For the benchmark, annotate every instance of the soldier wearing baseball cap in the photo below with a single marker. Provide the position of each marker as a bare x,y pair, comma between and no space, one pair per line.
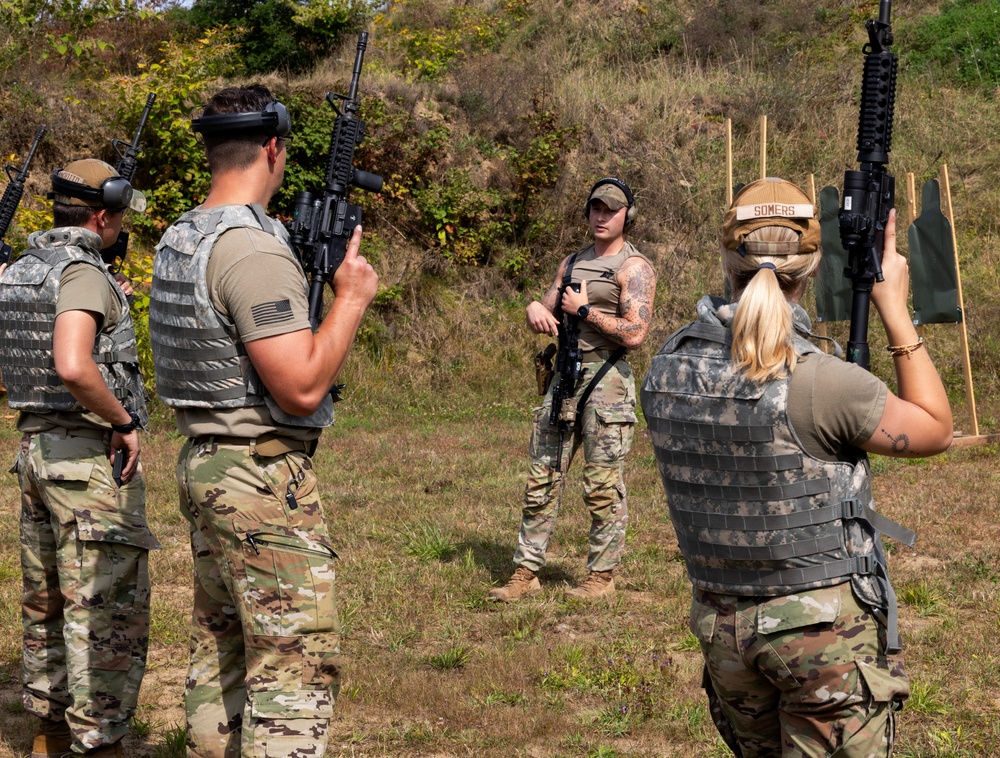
68,350
762,442
606,293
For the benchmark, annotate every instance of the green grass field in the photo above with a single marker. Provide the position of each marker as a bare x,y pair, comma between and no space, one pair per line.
424,507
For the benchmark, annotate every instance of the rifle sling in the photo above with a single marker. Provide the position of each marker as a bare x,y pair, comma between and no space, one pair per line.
612,359
605,367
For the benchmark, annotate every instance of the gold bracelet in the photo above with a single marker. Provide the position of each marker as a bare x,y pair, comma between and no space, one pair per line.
897,350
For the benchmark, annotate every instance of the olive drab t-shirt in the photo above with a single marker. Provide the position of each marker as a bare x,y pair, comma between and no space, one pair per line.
82,288
603,290
255,283
833,404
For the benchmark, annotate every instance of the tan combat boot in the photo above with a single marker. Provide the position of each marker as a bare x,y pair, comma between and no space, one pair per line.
599,584
523,583
53,739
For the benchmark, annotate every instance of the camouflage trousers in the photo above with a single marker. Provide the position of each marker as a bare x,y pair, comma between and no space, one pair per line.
265,660
84,563
799,675
604,429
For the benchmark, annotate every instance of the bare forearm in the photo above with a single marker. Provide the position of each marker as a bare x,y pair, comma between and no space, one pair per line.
917,379
87,385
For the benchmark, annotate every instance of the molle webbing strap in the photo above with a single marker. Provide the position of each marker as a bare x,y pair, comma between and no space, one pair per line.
767,522
700,431
752,493
193,334
779,552
672,457
231,393
125,355
809,575
893,644
42,381
890,528
711,332
30,360
49,308
169,285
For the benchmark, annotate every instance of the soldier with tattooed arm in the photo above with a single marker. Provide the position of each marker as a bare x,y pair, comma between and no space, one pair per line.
602,301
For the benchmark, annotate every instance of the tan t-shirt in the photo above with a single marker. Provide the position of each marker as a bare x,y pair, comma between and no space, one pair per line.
603,290
82,288
255,282
833,405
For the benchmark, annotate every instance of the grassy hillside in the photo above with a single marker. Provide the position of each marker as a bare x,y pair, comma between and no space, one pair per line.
489,121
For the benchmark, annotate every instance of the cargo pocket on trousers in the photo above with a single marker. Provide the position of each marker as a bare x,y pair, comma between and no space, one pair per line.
885,677
287,582
613,435
114,585
702,621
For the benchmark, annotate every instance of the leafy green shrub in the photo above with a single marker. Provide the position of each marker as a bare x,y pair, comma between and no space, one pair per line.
172,169
461,216
536,164
431,37
963,42
282,35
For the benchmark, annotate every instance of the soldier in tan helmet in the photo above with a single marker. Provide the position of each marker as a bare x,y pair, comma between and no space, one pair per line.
68,349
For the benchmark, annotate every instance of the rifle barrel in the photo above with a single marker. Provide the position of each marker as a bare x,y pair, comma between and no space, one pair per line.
359,58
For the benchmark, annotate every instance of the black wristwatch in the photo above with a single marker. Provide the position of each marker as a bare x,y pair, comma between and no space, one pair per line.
130,426
583,311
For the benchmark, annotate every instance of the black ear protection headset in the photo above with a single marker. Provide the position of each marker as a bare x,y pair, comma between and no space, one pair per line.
274,120
114,194
632,211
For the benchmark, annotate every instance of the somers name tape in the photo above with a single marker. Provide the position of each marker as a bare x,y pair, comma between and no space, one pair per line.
775,210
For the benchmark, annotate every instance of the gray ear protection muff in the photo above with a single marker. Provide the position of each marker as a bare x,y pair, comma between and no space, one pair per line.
630,214
274,120
114,194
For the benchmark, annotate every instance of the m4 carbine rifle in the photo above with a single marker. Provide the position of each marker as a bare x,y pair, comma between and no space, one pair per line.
12,195
322,226
569,372
128,152
869,193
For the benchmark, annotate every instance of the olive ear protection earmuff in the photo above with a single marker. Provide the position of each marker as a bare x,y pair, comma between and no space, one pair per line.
274,120
630,214
114,194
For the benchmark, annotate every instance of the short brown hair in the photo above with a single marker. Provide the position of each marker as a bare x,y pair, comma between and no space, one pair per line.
71,215
235,150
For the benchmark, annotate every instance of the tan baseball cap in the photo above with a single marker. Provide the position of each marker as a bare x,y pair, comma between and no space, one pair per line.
92,174
610,195
771,202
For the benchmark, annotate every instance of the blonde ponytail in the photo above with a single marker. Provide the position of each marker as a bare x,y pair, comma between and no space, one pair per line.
763,332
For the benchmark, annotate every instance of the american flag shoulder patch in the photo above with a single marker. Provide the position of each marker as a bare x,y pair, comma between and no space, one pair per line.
275,312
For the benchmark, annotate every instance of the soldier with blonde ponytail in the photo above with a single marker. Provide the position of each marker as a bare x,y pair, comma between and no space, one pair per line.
761,441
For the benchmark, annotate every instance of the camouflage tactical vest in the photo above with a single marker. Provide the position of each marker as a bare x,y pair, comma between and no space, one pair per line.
28,295
199,359
755,514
